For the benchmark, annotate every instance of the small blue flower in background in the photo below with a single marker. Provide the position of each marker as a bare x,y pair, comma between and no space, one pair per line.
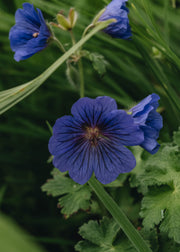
30,34
150,121
117,9
93,139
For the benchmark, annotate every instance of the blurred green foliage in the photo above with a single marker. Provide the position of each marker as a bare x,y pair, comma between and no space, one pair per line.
23,130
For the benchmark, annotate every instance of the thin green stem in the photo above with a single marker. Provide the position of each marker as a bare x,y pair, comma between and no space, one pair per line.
87,29
119,216
81,77
80,67
60,45
72,37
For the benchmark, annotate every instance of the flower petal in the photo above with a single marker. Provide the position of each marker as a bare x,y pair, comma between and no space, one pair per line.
142,106
120,127
22,39
150,144
155,120
78,160
117,10
111,161
27,16
89,111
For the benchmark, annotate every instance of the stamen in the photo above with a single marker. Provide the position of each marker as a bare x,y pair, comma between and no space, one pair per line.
93,135
35,35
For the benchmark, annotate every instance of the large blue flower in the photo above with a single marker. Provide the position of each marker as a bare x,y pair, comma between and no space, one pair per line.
150,121
30,34
93,139
120,29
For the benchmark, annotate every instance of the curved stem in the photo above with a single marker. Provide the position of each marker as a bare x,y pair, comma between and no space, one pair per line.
60,45
87,29
119,216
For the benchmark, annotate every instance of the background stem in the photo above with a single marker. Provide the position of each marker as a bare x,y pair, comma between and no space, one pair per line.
81,77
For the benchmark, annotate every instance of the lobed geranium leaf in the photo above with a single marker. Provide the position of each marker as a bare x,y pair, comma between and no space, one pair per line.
73,196
159,181
101,237
159,169
161,206
98,62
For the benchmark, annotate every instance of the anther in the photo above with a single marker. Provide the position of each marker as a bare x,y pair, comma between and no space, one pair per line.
35,35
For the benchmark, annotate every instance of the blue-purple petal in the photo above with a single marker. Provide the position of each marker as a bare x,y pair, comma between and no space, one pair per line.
89,111
30,34
111,161
118,11
120,127
92,141
151,145
149,120
155,120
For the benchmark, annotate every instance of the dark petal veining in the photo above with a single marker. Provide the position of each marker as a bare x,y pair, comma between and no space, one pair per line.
92,140
30,34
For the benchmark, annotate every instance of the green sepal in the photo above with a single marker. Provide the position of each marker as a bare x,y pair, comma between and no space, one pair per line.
96,18
72,17
63,22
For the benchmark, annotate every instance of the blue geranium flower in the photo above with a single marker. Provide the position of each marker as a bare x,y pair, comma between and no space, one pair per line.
120,29
93,139
150,121
30,34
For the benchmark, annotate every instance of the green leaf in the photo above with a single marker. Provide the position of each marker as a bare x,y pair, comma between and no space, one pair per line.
98,61
101,237
159,181
161,205
176,137
12,238
160,169
73,196
10,97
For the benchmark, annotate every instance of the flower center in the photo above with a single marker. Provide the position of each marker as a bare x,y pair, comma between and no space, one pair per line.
93,135
36,34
